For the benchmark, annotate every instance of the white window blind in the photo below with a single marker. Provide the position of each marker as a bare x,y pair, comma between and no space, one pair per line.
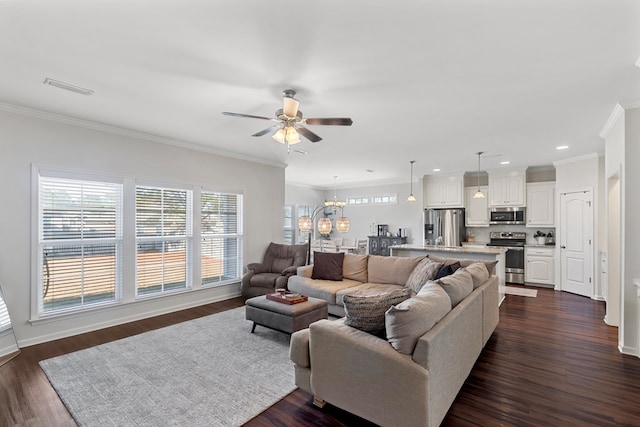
221,237
80,243
163,238
5,322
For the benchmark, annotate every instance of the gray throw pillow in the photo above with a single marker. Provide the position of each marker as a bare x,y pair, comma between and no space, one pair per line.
423,272
458,286
406,322
367,313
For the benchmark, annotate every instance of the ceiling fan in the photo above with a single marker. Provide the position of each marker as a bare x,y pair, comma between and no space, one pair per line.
290,122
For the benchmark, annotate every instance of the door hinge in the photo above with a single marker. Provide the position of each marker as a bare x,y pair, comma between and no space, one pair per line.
589,242
589,279
589,203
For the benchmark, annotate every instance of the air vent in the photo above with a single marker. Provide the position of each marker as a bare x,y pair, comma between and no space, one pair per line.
67,86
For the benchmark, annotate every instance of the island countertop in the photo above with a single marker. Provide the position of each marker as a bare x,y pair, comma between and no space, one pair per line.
462,249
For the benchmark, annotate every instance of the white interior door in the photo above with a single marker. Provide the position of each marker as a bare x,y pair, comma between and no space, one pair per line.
576,242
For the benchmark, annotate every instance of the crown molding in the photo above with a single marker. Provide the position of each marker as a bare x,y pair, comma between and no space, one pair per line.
575,159
101,127
618,110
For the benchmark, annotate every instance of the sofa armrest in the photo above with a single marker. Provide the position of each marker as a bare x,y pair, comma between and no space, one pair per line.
289,271
256,268
299,348
305,270
358,372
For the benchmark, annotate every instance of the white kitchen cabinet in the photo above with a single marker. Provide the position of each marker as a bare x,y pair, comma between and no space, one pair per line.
507,188
540,265
476,210
541,204
443,192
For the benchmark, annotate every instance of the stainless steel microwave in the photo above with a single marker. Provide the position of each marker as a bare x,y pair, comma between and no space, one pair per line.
506,215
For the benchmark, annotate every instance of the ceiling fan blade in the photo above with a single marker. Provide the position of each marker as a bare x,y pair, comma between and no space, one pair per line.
251,116
267,130
308,134
334,121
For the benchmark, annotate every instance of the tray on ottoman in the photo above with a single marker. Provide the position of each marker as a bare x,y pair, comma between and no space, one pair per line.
287,298
287,318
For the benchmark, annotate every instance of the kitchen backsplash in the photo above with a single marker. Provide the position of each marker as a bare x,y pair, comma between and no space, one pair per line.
481,234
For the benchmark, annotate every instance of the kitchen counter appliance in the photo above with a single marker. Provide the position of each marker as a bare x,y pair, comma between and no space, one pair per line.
514,258
507,216
444,227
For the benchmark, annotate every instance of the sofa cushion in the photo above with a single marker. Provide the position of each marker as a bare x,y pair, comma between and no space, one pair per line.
458,286
479,273
447,270
423,272
412,318
491,265
367,313
390,269
365,290
327,265
355,267
323,289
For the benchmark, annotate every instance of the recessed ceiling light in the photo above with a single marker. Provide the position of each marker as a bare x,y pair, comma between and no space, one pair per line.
369,170
562,147
506,162
436,170
67,86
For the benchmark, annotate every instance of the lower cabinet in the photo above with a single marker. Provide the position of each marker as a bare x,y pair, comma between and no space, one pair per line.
540,265
379,245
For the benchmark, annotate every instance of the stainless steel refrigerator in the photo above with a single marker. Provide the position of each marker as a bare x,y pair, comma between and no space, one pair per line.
444,227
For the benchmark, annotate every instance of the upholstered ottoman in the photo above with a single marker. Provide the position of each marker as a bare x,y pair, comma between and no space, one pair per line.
284,317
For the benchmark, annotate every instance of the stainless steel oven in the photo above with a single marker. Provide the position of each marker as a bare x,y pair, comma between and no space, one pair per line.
514,257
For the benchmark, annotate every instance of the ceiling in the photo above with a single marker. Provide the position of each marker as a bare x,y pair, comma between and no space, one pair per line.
431,81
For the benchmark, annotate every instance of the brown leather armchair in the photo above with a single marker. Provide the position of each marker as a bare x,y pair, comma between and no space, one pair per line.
280,262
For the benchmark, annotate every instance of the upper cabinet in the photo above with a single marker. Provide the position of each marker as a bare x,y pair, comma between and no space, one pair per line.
443,192
507,188
541,204
476,210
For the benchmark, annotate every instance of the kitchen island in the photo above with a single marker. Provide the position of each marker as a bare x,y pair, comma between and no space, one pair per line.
481,253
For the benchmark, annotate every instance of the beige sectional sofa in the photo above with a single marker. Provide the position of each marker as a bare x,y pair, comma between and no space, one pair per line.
412,376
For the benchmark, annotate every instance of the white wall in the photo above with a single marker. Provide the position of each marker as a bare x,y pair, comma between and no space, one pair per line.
631,231
27,140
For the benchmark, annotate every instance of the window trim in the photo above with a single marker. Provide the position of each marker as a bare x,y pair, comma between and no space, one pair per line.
128,296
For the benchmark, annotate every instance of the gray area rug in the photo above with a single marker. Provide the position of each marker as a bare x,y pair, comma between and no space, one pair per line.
210,371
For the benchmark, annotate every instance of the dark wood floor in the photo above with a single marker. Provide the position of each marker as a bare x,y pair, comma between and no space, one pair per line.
551,362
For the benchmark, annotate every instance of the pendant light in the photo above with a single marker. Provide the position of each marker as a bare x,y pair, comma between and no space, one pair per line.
479,194
411,197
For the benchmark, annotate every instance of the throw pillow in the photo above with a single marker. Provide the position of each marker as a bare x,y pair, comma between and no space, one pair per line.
447,270
355,267
391,270
406,322
327,265
423,272
458,286
367,313
479,273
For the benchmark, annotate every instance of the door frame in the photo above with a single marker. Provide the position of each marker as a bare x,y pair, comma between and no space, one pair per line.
594,236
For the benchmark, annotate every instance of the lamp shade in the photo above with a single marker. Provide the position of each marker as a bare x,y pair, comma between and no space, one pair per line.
305,223
342,224
324,226
478,194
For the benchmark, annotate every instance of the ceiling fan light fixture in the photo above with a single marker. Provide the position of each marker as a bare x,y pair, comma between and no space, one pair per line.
287,135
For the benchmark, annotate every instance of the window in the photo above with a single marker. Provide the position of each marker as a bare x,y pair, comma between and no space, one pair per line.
385,200
288,225
5,321
163,239
79,243
221,228
358,200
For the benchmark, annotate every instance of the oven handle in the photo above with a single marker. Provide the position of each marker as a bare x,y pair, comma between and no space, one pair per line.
514,248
